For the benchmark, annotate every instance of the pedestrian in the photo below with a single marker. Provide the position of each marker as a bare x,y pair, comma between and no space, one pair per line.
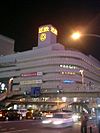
84,119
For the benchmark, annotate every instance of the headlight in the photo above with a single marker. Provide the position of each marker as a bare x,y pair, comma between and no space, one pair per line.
75,117
46,121
0,115
90,118
57,122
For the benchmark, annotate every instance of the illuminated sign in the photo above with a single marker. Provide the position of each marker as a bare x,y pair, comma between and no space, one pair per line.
44,29
47,28
35,91
68,81
27,82
43,37
39,73
53,30
2,87
31,74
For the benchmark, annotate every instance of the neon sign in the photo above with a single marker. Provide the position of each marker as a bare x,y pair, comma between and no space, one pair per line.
48,28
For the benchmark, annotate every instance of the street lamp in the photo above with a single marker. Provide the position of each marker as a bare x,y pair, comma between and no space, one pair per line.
77,35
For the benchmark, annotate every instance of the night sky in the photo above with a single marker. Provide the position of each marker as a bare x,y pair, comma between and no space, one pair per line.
20,19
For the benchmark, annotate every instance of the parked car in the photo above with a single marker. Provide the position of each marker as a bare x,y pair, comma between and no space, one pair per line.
13,115
3,114
22,112
59,120
37,115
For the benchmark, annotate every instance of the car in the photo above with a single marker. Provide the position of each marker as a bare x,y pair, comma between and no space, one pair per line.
22,112
48,114
37,115
76,117
13,115
3,114
29,115
59,120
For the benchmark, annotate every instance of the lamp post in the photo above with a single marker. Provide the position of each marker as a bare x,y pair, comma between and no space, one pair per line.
77,35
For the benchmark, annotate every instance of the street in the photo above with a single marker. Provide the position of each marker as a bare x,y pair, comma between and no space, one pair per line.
34,126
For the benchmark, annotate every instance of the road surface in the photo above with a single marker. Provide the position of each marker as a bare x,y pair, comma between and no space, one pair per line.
34,126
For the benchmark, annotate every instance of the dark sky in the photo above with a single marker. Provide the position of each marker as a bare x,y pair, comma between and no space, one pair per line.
20,19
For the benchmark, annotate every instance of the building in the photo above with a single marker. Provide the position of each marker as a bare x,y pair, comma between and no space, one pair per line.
50,70
6,45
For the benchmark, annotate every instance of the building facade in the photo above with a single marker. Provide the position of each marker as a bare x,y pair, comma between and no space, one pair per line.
6,45
50,70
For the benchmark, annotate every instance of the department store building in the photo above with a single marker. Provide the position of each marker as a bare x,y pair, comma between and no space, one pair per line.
50,70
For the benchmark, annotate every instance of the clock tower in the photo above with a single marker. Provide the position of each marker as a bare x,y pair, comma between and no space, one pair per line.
47,35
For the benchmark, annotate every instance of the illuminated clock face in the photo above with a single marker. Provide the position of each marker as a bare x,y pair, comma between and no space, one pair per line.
43,37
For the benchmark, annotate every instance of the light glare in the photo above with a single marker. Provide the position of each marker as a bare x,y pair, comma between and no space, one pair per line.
76,35
57,122
46,121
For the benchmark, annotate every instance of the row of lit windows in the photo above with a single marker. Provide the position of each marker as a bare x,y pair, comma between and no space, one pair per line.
69,73
68,66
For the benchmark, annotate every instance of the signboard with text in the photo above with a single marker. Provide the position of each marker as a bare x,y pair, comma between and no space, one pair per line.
31,74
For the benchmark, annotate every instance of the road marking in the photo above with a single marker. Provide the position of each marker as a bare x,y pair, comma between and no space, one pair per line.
16,131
